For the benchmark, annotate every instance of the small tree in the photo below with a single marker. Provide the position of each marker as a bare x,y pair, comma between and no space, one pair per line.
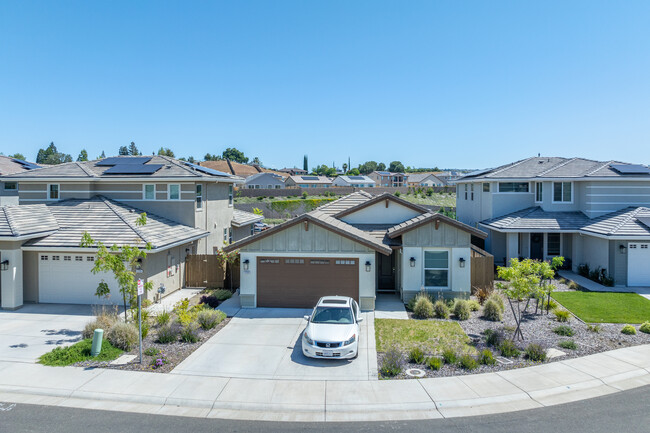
228,259
122,262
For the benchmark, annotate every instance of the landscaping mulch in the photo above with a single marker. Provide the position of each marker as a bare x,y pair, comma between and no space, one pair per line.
537,328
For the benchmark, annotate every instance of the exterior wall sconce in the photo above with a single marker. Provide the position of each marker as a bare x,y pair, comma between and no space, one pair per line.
412,261
368,266
246,263
4,265
161,289
622,248
461,262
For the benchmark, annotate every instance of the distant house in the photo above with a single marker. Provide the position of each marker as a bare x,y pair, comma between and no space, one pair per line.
238,169
308,182
264,181
243,224
387,178
357,181
293,171
423,180
448,177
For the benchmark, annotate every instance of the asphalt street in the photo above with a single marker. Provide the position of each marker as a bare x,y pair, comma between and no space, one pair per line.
621,412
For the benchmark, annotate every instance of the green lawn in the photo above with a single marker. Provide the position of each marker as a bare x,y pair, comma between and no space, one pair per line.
431,335
62,356
606,307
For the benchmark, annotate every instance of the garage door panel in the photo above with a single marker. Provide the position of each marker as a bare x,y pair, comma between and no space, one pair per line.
638,271
299,282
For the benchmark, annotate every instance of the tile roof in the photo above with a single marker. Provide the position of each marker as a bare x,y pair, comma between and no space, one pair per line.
111,223
241,218
26,220
356,179
379,198
345,202
625,222
534,218
12,165
310,179
428,217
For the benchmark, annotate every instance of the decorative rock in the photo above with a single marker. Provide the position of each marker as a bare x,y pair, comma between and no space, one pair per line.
415,372
554,353
503,360
124,359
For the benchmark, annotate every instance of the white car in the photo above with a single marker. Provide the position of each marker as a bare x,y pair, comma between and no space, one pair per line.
333,329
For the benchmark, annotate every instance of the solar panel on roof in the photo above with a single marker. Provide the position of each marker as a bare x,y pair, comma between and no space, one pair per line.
384,173
27,165
309,177
206,170
356,177
121,160
134,169
477,172
631,168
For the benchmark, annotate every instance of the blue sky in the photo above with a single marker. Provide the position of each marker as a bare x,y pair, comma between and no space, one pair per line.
452,84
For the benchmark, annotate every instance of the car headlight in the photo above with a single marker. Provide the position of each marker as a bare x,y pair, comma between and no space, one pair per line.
351,340
307,339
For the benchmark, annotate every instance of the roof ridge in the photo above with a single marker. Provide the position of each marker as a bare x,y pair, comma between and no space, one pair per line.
626,219
599,168
115,210
556,166
85,170
504,167
176,163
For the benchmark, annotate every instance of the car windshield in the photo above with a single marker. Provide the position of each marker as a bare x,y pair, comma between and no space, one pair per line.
335,315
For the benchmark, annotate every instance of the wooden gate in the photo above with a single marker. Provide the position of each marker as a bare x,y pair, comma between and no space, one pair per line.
482,268
203,270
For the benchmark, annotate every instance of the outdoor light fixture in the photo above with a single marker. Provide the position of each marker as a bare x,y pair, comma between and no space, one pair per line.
246,262
461,262
368,266
412,262
161,289
4,265
622,248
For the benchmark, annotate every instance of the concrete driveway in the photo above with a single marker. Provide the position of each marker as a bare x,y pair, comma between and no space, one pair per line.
265,343
35,329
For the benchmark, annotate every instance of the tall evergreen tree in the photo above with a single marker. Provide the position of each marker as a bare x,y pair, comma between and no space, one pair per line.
51,156
133,150
102,156
83,155
124,151
166,151
305,166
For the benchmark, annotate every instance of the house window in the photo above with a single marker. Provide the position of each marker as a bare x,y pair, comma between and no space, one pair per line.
225,235
319,262
562,192
538,191
513,186
174,192
256,186
465,191
270,186
472,189
44,258
53,191
277,186
67,258
149,191
230,235
346,262
11,186
199,196
269,261
90,259
553,244
486,187
436,268
294,261
230,195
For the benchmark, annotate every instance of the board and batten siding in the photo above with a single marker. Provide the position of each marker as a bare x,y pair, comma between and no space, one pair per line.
427,236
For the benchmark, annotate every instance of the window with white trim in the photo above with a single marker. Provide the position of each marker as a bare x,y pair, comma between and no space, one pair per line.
562,192
53,191
199,196
465,191
90,259
225,235
67,258
436,268
472,191
538,191
230,195
55,258
44,258
78,259
174,191
149,191
553,244
513,187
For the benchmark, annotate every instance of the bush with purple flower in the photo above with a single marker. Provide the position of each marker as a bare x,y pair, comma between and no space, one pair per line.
158,361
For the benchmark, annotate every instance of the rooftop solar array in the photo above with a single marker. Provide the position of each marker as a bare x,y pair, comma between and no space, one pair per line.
117,160
27,165
309,177
357,177
206,170
478,172
631,168
384,173
134,169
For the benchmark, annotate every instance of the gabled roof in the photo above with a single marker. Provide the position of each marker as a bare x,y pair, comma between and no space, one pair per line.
10,165
111,223
20,222
387,173
345,202
241,218
534,218
355,179
428,217
256,176
628,222
420,177
379,198
310,179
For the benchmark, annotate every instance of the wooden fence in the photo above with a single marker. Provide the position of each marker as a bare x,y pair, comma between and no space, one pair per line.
482,268
204,270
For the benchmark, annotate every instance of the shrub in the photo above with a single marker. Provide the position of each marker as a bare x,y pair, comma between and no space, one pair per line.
535,352
145,328
492,338
492,311
440,310
78,352
583,270
568,344
209,300
594,328
573,285
158,362
423,307
151,351
416,355
645,328
468,362
163,318
486,357
391,364
562,315
208,319
628,330
498,299
146,303
101,322
449,356
607,280
482,293
509,349
461,309
397,193
167,334
564,330
473,305
190,332
434,363
222,294
550,304
123,336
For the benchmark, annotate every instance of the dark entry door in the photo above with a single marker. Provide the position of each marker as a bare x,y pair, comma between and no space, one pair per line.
537,246
386,270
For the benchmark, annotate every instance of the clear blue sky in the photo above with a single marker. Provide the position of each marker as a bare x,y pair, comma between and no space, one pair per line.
446,83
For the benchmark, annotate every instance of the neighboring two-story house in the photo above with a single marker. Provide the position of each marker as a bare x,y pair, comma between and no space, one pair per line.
9,189
387,178
591,212
189,211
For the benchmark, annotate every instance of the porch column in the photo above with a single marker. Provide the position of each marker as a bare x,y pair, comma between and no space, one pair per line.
11,280
512,247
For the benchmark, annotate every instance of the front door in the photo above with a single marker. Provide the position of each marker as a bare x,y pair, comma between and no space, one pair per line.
386,272
537,246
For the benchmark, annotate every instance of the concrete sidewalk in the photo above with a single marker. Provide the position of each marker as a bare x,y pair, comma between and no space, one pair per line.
287,400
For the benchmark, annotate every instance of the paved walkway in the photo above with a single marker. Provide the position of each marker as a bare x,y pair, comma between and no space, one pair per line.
287,400
389,306
167,303
595,287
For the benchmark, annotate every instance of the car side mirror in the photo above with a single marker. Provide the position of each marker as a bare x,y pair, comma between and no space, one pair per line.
306,318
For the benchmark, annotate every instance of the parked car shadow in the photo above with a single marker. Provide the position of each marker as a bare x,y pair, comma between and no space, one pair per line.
299,358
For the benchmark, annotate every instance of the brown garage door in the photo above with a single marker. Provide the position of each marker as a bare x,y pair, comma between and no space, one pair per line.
299,282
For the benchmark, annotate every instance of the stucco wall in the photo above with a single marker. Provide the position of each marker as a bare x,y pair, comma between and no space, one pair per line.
30,276
155,266
11,280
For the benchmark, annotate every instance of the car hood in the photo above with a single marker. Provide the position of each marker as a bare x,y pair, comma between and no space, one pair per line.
330,333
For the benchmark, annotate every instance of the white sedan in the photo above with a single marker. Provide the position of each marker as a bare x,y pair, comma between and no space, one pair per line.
333,329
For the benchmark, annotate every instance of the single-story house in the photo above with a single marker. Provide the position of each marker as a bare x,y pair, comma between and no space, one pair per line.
423,180
264,181
356,181
308,182
356,246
